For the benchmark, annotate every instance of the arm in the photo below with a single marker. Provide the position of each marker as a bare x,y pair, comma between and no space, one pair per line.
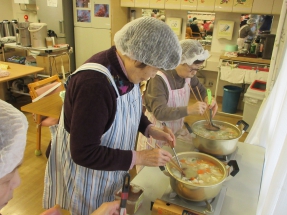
90,106
156,98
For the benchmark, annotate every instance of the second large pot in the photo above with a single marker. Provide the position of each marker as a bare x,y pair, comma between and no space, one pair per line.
217,146
199,192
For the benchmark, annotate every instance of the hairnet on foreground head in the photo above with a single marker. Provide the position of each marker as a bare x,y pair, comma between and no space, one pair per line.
192,50
251,21
13,132
149,41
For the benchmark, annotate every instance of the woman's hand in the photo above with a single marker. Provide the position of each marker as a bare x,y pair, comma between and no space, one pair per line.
197,108
108,208
164,134
152,157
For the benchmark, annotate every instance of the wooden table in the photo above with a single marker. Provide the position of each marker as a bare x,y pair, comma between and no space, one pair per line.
16,71
49,106
19,70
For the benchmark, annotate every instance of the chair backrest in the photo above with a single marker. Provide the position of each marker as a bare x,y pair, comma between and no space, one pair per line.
39,87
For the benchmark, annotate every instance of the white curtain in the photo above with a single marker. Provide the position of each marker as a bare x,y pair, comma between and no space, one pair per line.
270,131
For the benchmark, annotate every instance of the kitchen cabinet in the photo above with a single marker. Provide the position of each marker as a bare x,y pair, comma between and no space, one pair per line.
205,5
277,5
158,4
242,6
188,5
262,6
142,3
127,3
172,4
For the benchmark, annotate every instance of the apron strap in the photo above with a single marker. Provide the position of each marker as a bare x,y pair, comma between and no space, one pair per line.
98,68
161,74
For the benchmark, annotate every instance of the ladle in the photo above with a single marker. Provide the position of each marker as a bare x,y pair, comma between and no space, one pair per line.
210,126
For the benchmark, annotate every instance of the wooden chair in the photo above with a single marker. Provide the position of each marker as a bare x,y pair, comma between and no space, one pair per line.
37,91
196,36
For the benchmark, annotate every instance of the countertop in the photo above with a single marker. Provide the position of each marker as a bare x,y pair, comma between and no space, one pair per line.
212,63
242,190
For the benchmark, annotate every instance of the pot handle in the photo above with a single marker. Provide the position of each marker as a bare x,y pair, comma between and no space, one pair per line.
235,170
246,125
188,127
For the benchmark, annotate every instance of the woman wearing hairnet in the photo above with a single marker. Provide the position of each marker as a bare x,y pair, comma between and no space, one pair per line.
245,31
93,145
167,95
13,131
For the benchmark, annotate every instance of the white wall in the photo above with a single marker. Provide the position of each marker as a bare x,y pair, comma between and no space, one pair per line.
10,10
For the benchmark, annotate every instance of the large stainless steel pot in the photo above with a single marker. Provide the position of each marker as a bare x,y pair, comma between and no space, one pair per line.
197,193
213,146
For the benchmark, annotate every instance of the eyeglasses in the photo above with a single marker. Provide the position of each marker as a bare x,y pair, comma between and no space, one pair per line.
193,67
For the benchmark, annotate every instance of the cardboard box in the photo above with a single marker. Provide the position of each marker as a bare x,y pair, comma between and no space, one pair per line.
54,63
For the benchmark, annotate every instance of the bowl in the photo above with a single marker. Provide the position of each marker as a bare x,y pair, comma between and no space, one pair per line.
231,48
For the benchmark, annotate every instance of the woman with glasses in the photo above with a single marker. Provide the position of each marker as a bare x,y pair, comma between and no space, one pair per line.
167,95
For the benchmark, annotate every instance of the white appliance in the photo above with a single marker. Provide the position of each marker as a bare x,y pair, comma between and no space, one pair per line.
58,15
92,25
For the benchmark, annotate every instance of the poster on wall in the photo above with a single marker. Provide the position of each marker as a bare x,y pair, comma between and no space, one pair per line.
83,3
225,29
83,16
175,25
102,10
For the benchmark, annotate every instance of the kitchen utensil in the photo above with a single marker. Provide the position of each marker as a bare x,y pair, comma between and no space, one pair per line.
217,146
164,125
205,115
197,192
210,126
125,193
172,161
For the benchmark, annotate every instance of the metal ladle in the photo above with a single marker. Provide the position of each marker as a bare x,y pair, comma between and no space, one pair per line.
210,126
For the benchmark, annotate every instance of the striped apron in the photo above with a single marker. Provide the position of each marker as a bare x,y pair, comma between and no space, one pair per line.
177,98
82,190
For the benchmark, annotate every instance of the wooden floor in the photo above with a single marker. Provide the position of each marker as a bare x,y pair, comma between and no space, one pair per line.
28,197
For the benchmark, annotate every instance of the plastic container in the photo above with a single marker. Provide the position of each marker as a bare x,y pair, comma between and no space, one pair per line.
135,198
231,95
38,33
252,101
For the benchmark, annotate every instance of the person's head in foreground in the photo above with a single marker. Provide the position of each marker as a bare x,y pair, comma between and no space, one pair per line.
13,130
193,56
146,45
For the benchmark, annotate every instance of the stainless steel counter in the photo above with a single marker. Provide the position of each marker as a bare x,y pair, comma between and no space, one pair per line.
242,191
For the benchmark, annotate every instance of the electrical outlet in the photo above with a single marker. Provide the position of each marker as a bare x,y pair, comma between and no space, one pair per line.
209,83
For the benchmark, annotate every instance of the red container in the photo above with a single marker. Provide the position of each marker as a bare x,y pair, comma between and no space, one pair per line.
262,69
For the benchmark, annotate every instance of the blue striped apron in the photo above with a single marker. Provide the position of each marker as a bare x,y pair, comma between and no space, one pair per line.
76,188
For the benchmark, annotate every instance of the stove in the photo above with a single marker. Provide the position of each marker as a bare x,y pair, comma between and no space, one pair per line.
224,157
211,207
171,203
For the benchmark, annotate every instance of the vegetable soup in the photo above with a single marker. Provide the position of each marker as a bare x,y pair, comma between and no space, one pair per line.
225,133
198,171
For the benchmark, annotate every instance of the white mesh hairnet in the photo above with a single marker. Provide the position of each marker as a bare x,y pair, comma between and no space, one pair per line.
13,132
251,21
192,50
149,41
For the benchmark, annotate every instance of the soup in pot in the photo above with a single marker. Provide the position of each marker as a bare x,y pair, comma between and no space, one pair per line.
225,132
198,171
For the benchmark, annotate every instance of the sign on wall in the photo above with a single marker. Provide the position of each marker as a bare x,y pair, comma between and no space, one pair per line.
175,24
225,29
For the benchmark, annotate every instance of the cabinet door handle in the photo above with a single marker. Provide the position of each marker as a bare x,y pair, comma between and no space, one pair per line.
61,25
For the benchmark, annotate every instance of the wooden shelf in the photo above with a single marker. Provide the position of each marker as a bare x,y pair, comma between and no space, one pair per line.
246,59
